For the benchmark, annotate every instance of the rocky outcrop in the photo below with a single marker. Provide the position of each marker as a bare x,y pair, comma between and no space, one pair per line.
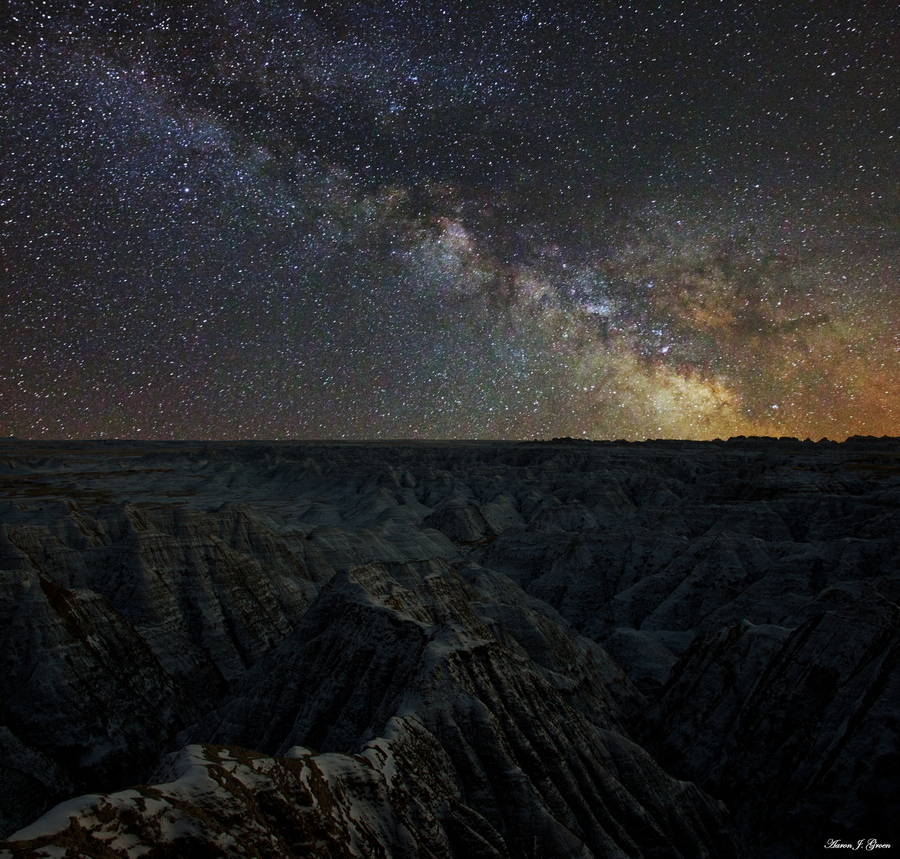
122,627
466,649
397,797
533,747
792,725
462,744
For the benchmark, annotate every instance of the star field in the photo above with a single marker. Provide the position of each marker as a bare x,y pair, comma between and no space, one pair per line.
449,220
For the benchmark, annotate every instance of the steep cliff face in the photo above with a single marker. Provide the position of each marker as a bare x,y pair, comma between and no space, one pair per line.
792,725
531,746
465,745
458,649
397,797
122,627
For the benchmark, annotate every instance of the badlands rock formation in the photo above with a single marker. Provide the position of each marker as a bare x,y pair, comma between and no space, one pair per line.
553,649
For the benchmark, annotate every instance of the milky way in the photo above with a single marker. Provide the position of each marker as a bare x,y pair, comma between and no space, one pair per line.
446,220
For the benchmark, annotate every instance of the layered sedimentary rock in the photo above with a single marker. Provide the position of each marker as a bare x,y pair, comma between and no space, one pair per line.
793,725
522,649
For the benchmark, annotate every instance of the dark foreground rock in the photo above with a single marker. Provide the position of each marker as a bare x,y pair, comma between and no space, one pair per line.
461,649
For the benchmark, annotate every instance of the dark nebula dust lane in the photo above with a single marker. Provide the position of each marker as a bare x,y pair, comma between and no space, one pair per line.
448,220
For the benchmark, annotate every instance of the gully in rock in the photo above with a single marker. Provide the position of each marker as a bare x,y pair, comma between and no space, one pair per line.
466,650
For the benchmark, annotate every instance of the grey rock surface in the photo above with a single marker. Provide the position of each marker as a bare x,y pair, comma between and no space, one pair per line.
792,725
460,649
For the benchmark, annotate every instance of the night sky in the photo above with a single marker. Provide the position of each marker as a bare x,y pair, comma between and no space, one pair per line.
431,219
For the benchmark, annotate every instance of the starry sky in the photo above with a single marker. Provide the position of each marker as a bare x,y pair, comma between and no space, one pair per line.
427,219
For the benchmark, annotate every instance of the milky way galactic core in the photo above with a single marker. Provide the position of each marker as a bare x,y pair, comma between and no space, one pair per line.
449,220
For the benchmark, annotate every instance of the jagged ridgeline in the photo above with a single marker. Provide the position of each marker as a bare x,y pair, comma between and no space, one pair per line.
546,649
